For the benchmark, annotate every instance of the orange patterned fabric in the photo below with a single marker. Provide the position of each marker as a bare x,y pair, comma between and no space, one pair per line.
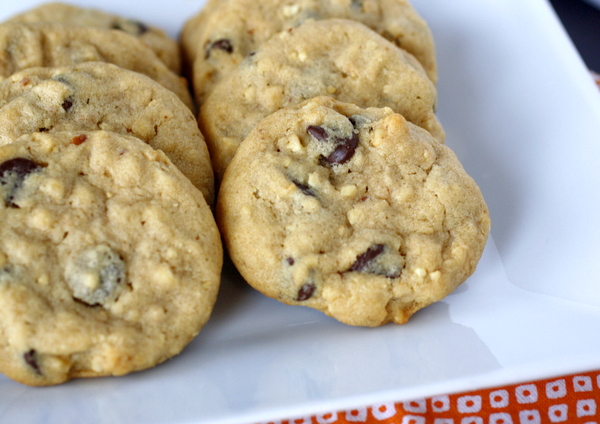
573,399
596,77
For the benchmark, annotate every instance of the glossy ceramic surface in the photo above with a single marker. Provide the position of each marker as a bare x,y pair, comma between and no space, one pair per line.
523,116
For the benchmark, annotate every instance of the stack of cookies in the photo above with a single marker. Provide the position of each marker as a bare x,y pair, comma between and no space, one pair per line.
317,118
337,191
110,256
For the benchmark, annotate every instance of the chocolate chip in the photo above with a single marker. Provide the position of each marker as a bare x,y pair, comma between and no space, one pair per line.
20,167
221,44
67,104
358,121
393,273
373,262
6,273
318,132
97,275
290,261
364,259
344,151
141,27
306,190
345,147
65,79
31,359
12,175
306,292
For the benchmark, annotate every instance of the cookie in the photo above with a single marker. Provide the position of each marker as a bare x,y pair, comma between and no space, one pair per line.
225,32
25,46
189,37
346,60
164,46
354,212
96,95
110,259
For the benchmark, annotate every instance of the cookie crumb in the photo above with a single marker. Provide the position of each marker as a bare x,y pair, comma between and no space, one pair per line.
43,280
164,276
41,219
349,190
290,10
294,144
53,188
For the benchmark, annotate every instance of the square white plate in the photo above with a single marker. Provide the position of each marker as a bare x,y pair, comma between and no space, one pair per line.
523,115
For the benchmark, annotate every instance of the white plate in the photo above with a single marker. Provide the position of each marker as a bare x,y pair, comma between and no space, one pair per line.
523,115
594,3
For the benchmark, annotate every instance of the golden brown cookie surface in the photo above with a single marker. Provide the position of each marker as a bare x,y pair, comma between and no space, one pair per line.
355,212
95,95
109,258
346,60
164,46
45,44
218,38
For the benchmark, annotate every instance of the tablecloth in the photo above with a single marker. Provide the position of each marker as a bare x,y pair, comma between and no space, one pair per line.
571,399
568,399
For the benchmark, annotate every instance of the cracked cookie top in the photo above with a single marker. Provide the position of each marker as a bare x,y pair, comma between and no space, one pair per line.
347,61
46,44
101,96
217,39
355,212
110,259
56,12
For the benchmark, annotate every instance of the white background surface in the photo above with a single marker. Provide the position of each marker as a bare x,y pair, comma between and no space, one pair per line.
594,2
523,116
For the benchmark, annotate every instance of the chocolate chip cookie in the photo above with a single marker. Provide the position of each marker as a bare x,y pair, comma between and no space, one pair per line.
340,58
217,39
25,46
355,212
164,46
95,95
110,259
